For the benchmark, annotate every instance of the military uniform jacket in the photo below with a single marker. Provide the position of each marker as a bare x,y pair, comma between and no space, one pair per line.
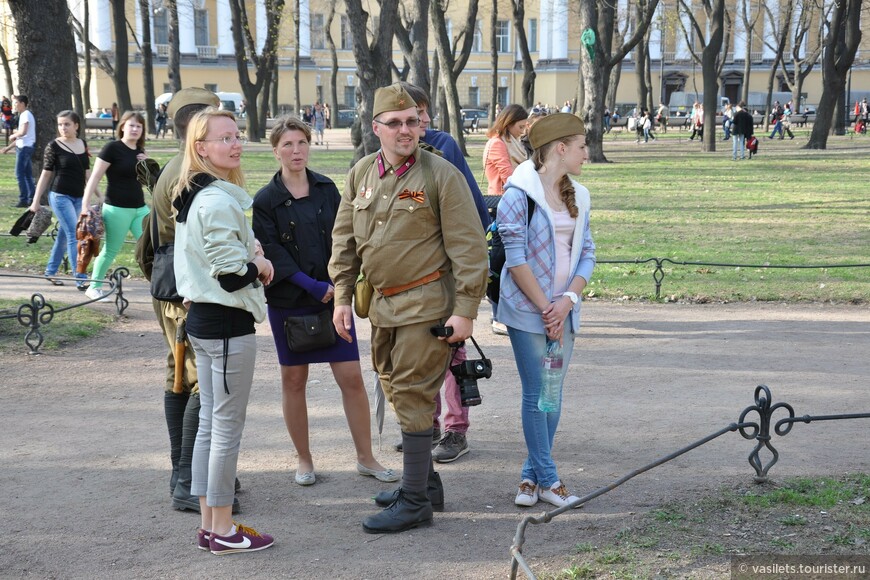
396,232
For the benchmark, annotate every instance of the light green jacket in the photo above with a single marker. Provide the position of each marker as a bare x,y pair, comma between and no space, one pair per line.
215,240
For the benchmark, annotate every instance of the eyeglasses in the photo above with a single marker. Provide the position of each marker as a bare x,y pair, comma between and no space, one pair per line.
395,124
229,140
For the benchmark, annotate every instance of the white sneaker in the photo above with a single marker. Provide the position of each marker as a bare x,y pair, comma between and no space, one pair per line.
527,496
96,294
557,495
499,328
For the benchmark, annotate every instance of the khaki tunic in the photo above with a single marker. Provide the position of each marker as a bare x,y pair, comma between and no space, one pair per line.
171,314
396,241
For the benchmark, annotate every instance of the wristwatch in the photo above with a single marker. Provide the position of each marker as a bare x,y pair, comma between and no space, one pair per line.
572,297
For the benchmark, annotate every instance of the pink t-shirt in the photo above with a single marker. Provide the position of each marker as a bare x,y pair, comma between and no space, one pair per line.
564,224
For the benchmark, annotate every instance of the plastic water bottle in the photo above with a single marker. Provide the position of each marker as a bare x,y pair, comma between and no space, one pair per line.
550,399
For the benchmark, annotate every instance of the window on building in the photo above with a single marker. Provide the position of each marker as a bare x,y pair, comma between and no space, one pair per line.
503,35
474,96
318,35
200,27
477,44
502,96
167,88
533,35
346,36
211,87
350,97
161,27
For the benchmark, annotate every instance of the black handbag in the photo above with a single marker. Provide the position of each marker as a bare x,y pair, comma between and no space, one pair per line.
309,331
163,285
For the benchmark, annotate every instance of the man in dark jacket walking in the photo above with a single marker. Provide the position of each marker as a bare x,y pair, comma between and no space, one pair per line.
742,126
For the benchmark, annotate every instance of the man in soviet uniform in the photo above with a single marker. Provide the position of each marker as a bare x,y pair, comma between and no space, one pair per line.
404,222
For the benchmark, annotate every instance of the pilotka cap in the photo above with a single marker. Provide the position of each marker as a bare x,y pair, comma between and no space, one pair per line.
392,98
192,96
556,126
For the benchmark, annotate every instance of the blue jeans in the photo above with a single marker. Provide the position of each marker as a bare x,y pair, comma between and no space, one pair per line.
539,428
67,209
738,143
777,128
24,174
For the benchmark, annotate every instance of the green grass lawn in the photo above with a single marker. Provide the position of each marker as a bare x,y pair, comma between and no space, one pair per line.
665,199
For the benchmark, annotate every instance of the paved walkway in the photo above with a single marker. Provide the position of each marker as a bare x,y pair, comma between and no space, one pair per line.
84,461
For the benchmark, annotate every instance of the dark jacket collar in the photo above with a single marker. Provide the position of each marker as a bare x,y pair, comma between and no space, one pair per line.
278,193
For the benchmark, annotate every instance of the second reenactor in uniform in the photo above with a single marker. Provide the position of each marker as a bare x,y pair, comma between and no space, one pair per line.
404,222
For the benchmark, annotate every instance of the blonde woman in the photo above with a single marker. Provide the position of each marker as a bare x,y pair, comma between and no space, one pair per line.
550,257
220,271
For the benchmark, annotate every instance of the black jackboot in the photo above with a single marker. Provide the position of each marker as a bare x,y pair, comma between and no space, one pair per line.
434,489
412,507
181,497
173,407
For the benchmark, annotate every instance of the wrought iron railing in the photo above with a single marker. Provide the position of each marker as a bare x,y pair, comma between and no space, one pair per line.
659,273
38,312
758,430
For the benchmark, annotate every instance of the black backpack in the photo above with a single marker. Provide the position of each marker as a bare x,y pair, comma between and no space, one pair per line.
495,248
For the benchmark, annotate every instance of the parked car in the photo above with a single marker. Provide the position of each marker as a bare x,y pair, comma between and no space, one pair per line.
345,118
474,119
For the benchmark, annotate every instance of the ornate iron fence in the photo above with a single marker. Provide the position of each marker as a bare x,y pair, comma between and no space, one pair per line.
659,272
758,430
38,312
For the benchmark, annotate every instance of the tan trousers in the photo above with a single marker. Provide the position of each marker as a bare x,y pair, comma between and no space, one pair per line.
410,363
169,316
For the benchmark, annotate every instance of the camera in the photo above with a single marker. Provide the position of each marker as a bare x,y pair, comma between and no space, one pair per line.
467,373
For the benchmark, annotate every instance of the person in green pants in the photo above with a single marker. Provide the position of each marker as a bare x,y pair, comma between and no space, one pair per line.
124,205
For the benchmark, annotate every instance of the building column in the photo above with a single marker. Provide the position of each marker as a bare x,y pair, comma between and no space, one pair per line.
186,28
225,31
546,30
305,29
559,42
100,33
261,25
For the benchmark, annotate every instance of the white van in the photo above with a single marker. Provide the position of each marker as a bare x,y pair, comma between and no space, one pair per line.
231,101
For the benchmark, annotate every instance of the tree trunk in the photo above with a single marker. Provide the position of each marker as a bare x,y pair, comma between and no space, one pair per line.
612,85
297,23
769,99
76,87
415,26
841,44
493,59
451,117
452,64
528,87
333,58
86,43
173,68
40,73
370,61
147,64
710,64
122,57
596,70
263,64
7,70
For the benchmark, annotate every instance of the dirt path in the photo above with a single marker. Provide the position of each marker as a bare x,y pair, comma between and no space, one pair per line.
84,463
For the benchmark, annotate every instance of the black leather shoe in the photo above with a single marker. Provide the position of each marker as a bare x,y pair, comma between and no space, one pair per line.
410,510
434,490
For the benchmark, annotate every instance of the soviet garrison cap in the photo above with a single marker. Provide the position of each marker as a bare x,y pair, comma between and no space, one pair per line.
392,98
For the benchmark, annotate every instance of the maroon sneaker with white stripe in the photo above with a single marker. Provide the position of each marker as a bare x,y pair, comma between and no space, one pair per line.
244,540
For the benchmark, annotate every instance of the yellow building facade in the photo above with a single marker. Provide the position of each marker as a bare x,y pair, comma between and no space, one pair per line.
552,27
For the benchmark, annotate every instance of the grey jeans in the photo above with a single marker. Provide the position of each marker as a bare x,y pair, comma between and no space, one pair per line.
221,414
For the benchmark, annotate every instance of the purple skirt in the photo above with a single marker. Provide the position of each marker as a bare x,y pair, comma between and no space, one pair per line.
341,351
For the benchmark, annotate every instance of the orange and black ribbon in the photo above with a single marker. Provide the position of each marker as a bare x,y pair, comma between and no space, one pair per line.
418,196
